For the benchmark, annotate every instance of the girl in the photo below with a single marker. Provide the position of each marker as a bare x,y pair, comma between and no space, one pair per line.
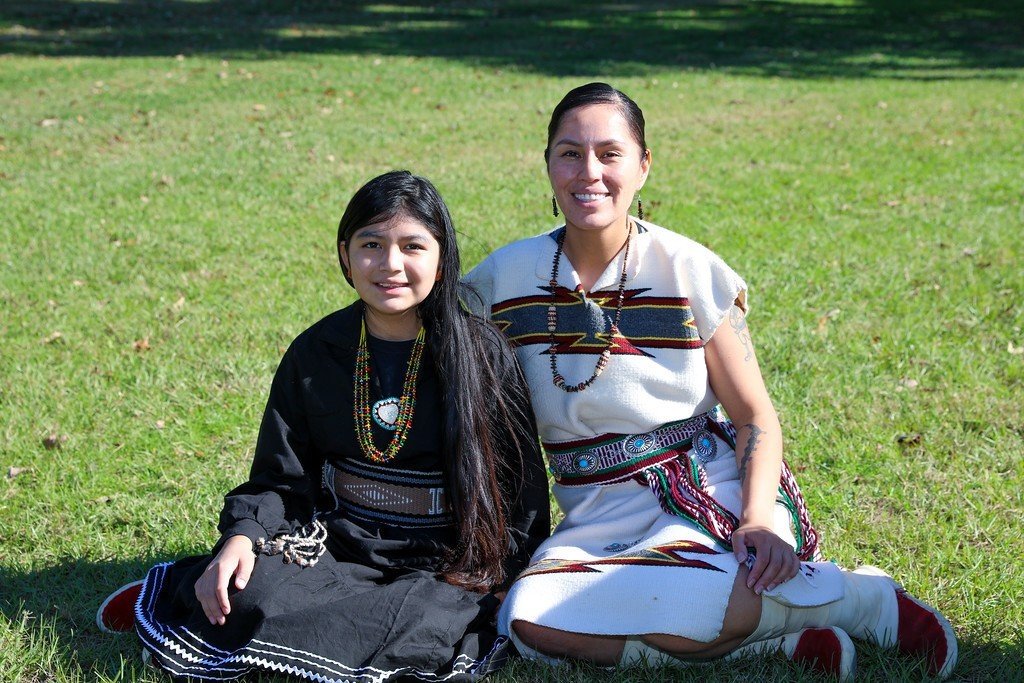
396,483
685,535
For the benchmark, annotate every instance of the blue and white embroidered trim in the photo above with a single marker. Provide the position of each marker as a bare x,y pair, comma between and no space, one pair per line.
181,652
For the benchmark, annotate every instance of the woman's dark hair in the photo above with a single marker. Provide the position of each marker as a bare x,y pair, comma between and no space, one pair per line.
477,418
598,93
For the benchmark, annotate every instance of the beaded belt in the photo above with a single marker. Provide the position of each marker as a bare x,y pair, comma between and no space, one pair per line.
388,495
611,458
679,484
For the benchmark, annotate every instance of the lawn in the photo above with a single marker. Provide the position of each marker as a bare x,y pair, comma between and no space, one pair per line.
171,177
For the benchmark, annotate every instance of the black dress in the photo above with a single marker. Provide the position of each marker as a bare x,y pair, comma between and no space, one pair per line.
372,608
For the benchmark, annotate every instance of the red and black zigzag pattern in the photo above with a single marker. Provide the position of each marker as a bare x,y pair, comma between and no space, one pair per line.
645,321
668,555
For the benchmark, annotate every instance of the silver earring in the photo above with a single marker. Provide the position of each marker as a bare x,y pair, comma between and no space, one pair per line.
554,207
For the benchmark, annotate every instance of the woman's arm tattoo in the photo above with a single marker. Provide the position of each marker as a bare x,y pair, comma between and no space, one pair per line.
739,325
748,452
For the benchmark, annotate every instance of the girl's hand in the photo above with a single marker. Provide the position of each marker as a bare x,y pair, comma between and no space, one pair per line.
775,563
234,559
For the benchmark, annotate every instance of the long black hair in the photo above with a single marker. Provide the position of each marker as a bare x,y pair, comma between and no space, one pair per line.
476,414
599,93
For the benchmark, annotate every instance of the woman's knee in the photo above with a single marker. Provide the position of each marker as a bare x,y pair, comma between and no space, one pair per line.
529,633
603,650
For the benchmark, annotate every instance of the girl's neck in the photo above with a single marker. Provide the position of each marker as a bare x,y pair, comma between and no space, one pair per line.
397,327
590,251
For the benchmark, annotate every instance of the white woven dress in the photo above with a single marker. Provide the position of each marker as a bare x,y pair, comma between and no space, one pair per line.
624,561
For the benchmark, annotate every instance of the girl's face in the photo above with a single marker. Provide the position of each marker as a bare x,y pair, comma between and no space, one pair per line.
393,266
596,167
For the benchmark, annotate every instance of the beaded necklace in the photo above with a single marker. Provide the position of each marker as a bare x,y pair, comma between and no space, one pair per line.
602,361
361,405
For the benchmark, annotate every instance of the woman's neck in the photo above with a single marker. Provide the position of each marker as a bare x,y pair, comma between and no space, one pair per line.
590,251
392,327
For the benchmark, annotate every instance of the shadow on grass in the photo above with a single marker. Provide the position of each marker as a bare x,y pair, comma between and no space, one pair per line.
977,662
991,661
61,600
914,39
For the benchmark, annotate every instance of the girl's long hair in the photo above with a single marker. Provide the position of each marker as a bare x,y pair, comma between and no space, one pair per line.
478,420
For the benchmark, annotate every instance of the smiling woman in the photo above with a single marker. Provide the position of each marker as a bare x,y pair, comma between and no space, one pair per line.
596,166
387,503
685,535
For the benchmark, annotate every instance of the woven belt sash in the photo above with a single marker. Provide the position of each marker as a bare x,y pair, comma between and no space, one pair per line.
670,461
611,458
388,495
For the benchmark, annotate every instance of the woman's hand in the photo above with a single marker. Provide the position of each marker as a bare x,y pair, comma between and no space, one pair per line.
235,558
775,562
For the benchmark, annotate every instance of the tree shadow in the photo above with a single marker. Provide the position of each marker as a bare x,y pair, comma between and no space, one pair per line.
912,39
59,603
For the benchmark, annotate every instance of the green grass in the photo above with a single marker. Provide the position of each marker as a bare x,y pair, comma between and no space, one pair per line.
168,222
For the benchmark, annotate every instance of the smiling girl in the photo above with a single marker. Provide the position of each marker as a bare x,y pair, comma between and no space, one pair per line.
396,484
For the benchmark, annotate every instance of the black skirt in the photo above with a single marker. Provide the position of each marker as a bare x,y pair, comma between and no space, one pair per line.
339,620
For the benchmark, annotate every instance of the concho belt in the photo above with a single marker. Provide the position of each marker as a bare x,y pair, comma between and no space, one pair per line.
611,458
679,483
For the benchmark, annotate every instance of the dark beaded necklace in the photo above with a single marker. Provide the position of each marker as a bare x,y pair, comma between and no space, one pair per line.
602,361
361,404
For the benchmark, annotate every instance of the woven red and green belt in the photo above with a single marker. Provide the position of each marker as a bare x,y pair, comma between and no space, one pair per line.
670,461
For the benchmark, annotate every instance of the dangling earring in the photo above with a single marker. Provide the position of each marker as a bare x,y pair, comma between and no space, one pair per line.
639,207
554,207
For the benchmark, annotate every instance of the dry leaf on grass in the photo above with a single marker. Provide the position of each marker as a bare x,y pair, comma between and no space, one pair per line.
53,441
907,383
823,320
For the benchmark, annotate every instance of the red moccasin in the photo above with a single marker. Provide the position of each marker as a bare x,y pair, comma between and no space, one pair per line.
117,613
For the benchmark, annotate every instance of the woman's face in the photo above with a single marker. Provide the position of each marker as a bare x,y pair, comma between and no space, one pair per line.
596,167
393,266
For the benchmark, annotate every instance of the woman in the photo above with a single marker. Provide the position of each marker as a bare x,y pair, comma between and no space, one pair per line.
387,502
684,536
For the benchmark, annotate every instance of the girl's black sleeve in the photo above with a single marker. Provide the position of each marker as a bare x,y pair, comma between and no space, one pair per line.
279,493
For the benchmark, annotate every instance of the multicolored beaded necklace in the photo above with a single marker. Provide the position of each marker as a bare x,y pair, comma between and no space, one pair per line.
602,361
362,407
